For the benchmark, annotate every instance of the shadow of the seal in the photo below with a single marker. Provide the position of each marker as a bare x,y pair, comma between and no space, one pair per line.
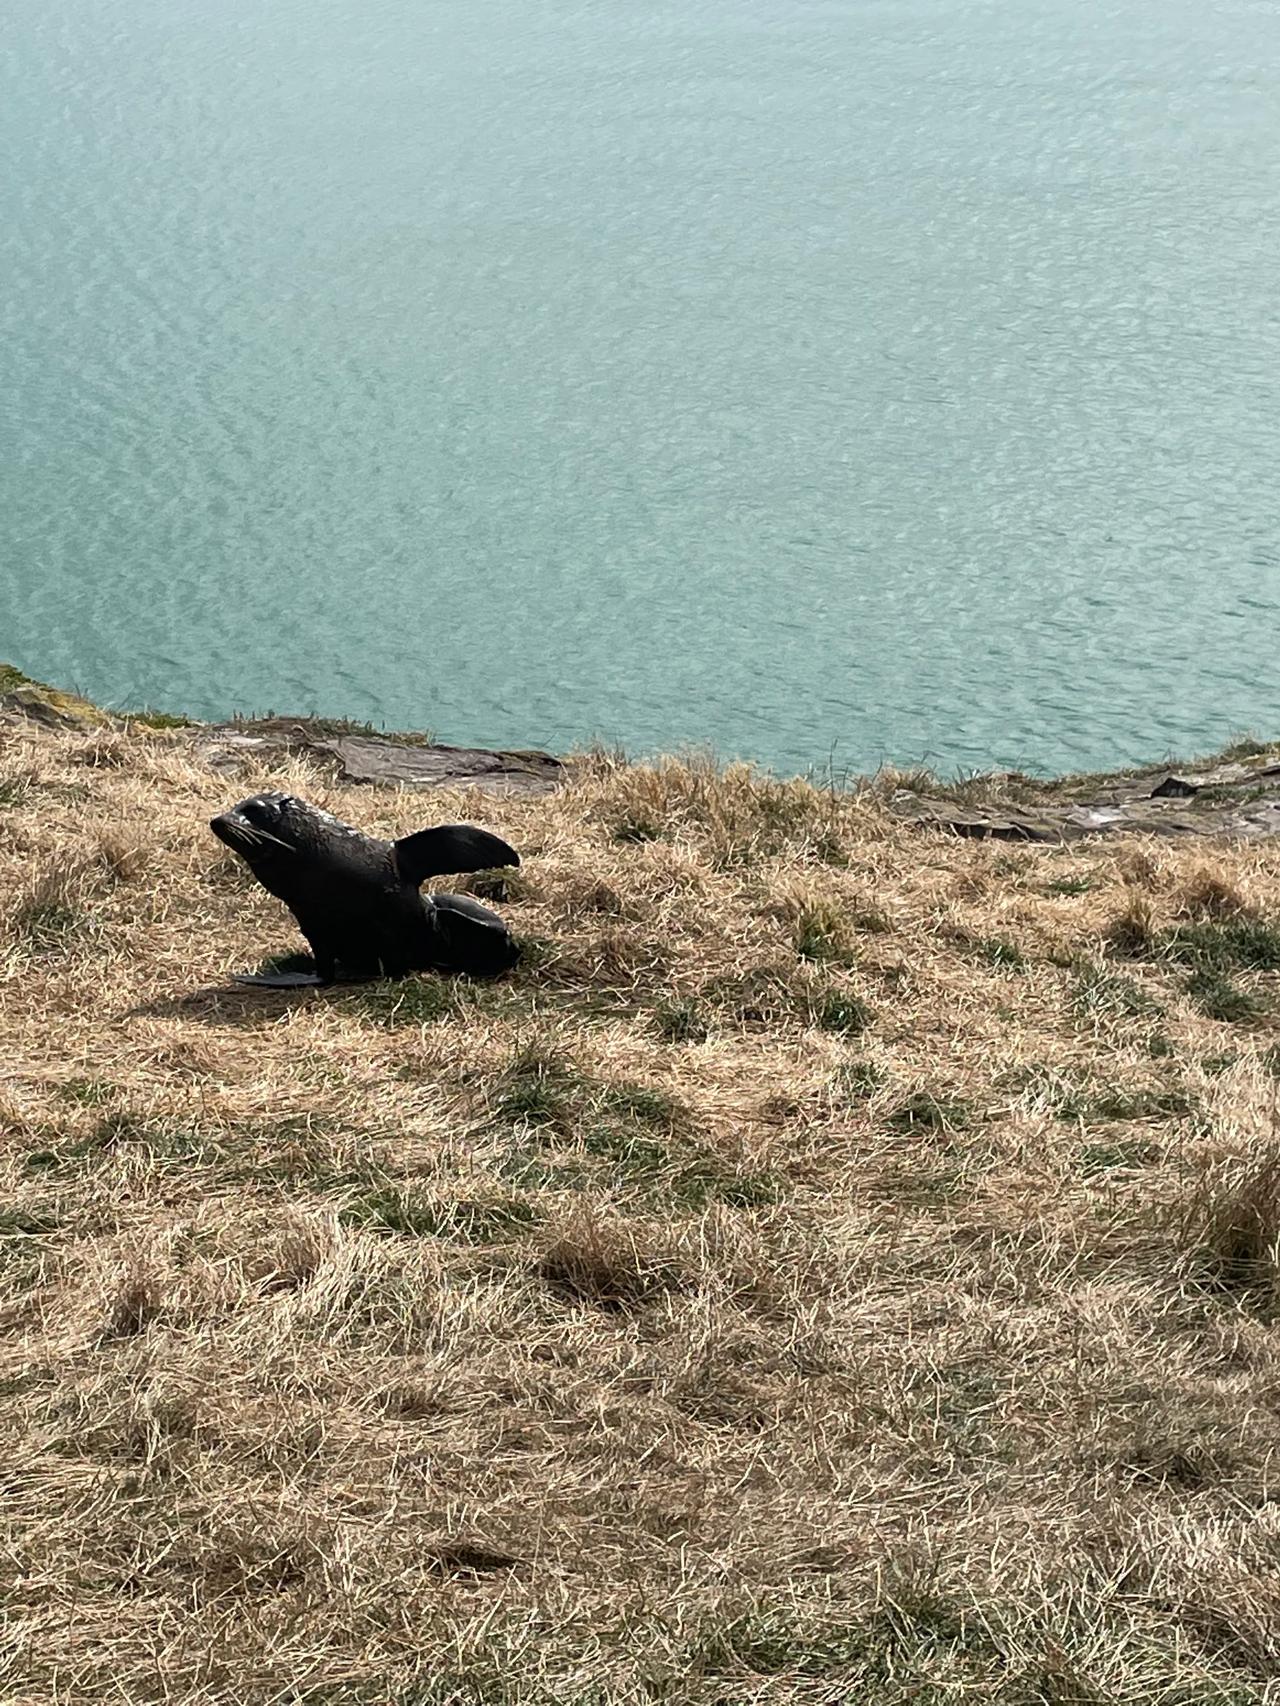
228,1004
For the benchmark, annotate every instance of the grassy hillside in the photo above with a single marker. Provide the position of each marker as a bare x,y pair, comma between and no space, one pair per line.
840,1267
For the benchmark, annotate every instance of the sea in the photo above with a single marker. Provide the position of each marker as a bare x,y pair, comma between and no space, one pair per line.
826,383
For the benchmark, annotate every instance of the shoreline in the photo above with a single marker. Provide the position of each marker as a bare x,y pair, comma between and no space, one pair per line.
1233,794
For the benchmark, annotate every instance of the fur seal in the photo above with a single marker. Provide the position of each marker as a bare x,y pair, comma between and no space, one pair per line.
356,898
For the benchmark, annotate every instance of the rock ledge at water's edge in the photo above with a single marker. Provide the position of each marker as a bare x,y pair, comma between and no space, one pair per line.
1234,795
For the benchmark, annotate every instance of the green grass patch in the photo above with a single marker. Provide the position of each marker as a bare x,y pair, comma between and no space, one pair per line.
675,1174
1070,885
1099,993
1113,1104
1217,997
153,719
843,1014
644,1105
636,1157
11,679
680,1022
1214,1065
465,1220
537,1089
87,1092
857,1081
634,829
47,925
821,935
1246,747
18,1222
1004,956
926,1112
410,1001
1111,1157
1224,944
123,1133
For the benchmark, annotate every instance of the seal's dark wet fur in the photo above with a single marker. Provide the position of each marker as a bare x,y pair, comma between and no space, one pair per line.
356,898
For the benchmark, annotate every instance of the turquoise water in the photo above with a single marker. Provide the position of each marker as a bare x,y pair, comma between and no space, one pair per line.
825,380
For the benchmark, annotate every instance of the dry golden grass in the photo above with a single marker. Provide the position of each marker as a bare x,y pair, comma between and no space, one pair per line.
842,1266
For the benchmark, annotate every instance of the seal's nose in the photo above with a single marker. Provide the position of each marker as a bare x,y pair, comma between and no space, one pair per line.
225,826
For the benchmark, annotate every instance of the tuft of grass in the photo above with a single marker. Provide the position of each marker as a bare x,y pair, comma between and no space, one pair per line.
602,1267
1075,885
20,1222
1217,997
838,1011
411,1000
1230,1227
153,719
926,1112
11,679
134,1303
680,1022
857,1080
1004,956
1097,993
1248,746
1133,933
635,830
49,918
536,1089
821,934
468,1220
1118,1157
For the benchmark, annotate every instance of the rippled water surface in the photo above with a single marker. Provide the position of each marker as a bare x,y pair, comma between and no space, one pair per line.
877,378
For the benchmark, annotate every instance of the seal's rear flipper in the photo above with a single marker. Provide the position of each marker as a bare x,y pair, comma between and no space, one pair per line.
450,847
470,938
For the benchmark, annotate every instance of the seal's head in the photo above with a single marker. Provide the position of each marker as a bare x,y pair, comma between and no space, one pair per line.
266,828
250,826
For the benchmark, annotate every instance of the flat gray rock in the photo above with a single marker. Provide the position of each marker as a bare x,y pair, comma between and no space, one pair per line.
379,760
1236,800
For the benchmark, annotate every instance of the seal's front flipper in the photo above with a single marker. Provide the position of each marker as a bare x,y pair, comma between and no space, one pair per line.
284,971
279,980
469,938
450,847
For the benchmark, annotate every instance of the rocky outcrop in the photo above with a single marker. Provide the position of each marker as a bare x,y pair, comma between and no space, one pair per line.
1239,799
1236,795
33,701
350,752
389,760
